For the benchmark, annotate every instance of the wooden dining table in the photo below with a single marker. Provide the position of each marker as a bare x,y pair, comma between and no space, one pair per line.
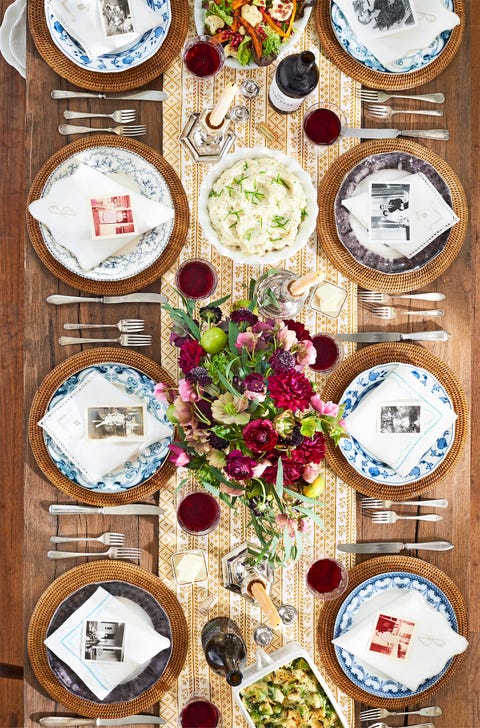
30,350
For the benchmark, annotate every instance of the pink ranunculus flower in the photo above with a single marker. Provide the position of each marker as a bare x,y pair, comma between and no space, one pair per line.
260,467
247,340
282,520
286,338
311,471
187,392
178,457
324,408
163,393
183,411
306,353
229,490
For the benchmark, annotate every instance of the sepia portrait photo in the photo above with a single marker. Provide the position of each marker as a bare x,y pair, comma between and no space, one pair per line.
112,216
400,419
116,16
389,212
391,636
103,641
377,18
123,424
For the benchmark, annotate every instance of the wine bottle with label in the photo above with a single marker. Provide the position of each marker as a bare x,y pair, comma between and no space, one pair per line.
295,78
224,648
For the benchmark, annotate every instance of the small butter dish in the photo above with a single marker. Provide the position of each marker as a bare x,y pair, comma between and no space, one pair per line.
189,566
328,299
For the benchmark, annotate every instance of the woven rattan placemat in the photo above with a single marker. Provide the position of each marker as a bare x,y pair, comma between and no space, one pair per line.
342,258
39,405
375,79
122,81
415,355
175,242
357,575
102,571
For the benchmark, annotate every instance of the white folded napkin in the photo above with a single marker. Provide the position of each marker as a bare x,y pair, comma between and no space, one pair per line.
141,642
428,212
85,22
430,643
400,420
13,36
432,19
66,423
67,214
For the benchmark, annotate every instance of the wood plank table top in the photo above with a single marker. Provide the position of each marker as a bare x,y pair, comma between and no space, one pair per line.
29,350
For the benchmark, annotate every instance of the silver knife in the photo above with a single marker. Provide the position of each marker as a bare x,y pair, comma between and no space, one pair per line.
57,721
393,547
373,337
128,298
135,509
135,95
391,133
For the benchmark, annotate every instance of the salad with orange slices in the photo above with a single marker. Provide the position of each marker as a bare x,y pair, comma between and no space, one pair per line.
253,30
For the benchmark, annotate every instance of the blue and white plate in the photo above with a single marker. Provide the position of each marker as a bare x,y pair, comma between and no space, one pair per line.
412,62
347,618
133,171
133,472
364,463
139,52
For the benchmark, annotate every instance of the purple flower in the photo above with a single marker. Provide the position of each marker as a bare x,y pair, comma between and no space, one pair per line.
282,361
254,387
190,355
199,375
239,466
260,435
243,314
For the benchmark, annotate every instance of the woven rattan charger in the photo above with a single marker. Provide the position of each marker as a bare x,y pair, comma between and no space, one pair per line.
102,571
117,82
158,267
371,356
339,255
39,405
360,573
376,79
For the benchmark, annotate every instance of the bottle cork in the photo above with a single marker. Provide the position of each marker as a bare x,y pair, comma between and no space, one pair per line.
258,592
301,285
219,111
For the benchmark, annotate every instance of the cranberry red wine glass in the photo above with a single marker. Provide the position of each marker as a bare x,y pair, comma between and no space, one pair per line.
327,578
329,353
200,713
203,57
198,513
196,278
324,124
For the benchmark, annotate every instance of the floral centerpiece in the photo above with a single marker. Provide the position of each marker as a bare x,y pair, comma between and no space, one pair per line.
251,425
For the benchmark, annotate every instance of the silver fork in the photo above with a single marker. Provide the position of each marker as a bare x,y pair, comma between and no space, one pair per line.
125,326
389,312
374,713
378,97
386,112
122,116
386,725
373,503
114,552
67,129
123,340
108,538
392,517
377,297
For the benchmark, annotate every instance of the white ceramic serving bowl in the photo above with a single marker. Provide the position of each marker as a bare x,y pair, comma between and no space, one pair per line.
267,663
305,230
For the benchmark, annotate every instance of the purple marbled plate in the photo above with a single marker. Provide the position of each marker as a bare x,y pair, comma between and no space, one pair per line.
137,685
388,160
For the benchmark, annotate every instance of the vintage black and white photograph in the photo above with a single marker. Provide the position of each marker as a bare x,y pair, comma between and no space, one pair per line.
391,636
117,17
400,419
389,212
377,18
103,641
124,424
112,216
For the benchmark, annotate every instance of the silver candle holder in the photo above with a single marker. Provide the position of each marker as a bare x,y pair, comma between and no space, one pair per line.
205,143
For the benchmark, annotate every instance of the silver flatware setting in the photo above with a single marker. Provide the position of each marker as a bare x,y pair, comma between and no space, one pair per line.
389,312
380,111
123,340
125,326
378,297
366,94
372,503
130,131
440,134
58,721
122,116
133,509
108,538
392,547
386,725
392,517
375,337
114,552
375,713
134,95
60,300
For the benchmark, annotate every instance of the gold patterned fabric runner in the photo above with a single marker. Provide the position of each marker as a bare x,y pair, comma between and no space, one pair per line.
185,96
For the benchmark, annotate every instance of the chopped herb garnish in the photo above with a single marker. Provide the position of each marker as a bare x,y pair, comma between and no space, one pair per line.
303,213
234,212
230,189
215,194
253,196
280,221
245,166
239,180
280,181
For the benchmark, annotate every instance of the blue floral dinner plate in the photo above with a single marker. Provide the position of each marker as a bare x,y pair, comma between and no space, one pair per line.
134,472
139,52
412,62
384,687
364,463
129,168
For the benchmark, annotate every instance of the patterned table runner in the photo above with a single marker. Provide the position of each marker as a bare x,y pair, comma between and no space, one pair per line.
187,95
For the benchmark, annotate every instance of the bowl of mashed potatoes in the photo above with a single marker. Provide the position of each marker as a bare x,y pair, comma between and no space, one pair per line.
257,206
